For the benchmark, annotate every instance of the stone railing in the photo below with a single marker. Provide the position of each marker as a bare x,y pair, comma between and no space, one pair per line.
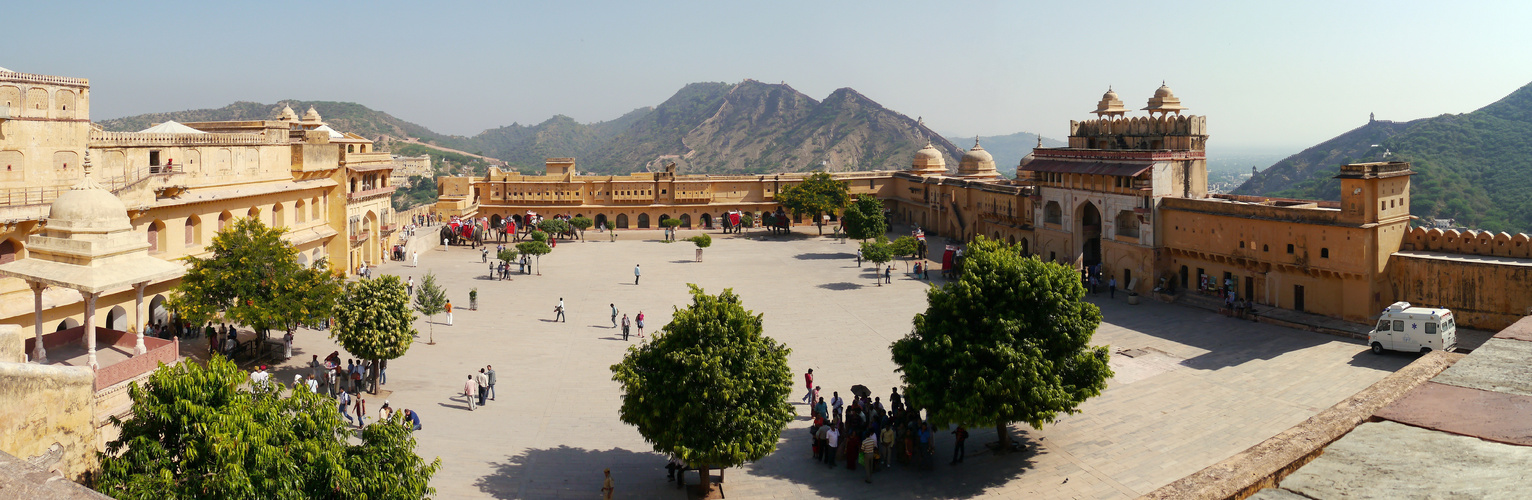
19,197
159,351
1469,242
361,195
12,76
101,139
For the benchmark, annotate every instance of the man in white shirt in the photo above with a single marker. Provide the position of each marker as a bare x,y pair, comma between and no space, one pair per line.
836,403
831,440
260,376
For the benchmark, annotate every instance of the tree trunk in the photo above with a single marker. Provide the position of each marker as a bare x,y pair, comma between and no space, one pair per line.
1003,430
539,265
431,320
704,480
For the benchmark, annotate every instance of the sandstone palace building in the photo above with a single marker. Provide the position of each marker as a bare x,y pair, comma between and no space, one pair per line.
1127,196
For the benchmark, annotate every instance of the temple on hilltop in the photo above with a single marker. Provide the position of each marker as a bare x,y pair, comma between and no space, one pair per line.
1126,200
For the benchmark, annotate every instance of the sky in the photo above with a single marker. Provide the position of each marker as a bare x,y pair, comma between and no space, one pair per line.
1270,76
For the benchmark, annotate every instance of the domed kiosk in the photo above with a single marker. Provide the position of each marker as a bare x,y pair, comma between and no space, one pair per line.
928,161
1110,105
89,245
977,163
1164,102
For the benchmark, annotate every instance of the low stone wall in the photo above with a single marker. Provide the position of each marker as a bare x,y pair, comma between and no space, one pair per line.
1484,292
1265,464
47,413
1468,242
159,351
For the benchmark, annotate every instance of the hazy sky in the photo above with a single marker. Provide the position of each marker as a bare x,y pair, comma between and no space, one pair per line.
1269,75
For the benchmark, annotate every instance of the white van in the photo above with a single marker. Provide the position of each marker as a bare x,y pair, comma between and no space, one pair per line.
1414,329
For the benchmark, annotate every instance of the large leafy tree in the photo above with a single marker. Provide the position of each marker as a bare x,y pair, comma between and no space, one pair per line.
880,252
817,195
1008,341
200,432
430,300
373,321
582,223
864,219
536,248
711,389
254,278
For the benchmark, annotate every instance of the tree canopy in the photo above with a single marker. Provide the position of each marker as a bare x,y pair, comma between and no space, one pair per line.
430,300
864,219
880,252
253,278
373,320
582,223
701,240
536,248
1008,341
202,432
817,195
710,389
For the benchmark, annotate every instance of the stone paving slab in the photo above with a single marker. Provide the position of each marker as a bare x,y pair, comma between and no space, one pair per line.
1494,416
1500,365
1520,330
1214,387
1388,460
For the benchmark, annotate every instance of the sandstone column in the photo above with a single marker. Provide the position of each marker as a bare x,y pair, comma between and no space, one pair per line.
39,353
138,317
90,328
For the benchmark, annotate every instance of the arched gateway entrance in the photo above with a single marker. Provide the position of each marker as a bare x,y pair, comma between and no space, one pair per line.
1088,233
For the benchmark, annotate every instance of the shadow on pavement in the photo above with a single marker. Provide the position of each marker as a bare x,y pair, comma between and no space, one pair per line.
824,256
576,472
840,286
981,470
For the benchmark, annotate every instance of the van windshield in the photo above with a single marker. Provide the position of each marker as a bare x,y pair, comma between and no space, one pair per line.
1383,326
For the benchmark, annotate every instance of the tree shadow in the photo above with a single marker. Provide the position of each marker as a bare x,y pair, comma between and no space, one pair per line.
576,472
981,470
840,286
824,256
692,261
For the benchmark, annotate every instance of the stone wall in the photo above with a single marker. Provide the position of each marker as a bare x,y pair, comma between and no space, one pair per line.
47,412
1488,293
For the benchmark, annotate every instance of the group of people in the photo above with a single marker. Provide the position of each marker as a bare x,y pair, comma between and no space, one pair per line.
502,270
480,387
627,324
868,434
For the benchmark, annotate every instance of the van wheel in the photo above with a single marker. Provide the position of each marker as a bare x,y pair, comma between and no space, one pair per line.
1377,348
1425,350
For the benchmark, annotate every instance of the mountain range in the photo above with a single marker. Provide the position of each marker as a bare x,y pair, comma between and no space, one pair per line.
1475,168
748,127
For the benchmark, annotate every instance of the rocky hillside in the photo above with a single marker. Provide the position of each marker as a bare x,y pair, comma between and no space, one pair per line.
1473,167
721,128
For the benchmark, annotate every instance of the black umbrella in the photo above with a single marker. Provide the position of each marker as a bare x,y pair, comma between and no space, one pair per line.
860,391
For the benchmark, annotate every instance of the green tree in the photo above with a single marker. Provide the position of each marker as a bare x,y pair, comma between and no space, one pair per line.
373,322
582,223
711,389
702,241
817,195
670,224
880,252
864,219
553,227
1008,341
199,431
253,278
536,249
430,300
904,246
507,254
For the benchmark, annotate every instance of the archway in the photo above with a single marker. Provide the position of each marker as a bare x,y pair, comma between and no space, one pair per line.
1088,233
622,221
1011,239
517,218
10,250
223,220
157,313
686,221
1025,252
156,237
643,221
303,260
662,218
600,220
67,324
193,230
117,319
707,221
370,250
494,220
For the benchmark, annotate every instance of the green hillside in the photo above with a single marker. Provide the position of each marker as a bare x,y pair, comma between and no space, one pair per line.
1473,167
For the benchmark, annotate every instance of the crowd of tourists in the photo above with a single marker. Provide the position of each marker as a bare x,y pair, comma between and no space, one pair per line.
865,432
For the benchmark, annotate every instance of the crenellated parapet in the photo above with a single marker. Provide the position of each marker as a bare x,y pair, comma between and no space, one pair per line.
1164,132
1469,242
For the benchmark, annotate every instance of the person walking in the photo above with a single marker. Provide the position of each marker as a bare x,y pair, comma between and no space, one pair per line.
640,324
1111,288
836,403
344,404
558,311
869,448
958,451
808,383
637,273
832,440
625,324
483,381
888,274
449,312
490,371
614,315
409,287
483,255
361,410
886,438
858,257
468,392
606,486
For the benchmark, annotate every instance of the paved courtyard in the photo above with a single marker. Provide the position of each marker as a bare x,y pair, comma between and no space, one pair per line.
1192,388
